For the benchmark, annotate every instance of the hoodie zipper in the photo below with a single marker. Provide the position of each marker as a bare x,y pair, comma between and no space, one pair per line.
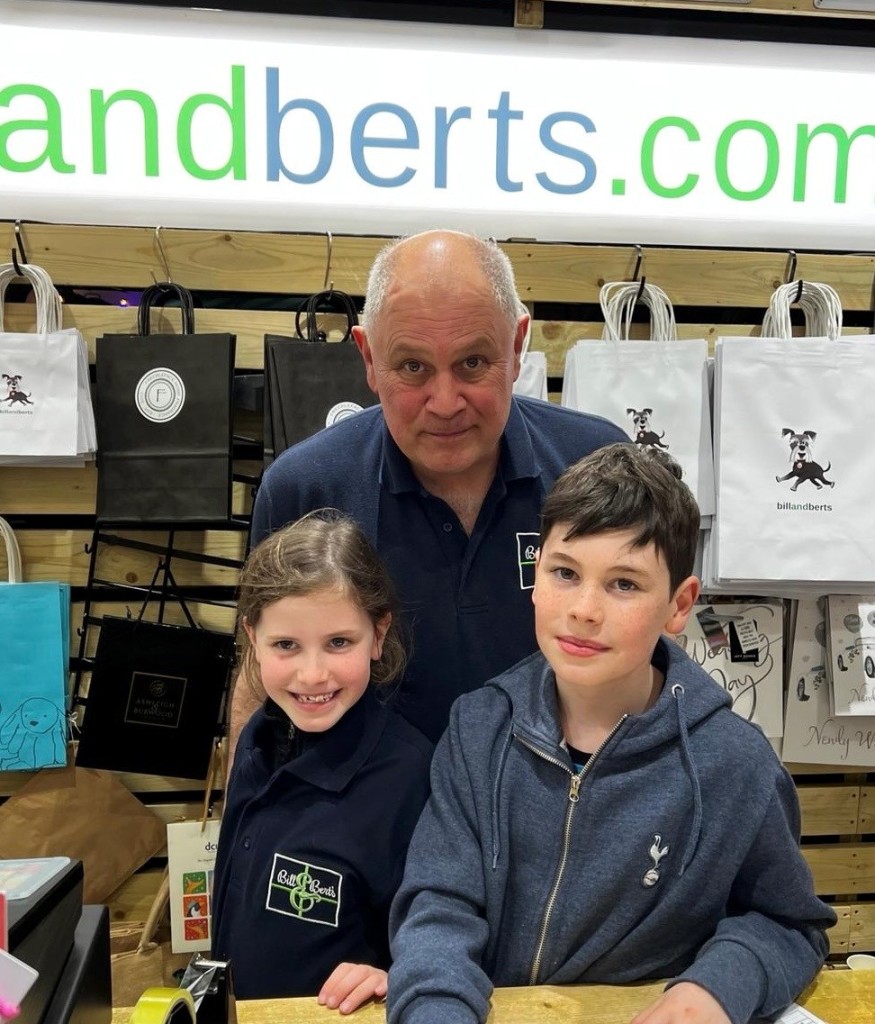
573,798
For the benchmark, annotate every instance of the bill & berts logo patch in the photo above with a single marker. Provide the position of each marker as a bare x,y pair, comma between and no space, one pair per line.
527,548
305,891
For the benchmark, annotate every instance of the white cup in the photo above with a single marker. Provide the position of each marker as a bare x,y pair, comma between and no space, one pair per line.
861,962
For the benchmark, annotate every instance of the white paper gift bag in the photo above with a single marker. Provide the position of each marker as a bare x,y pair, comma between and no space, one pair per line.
191,859
46,416
532,380
812,734
657,390
794,481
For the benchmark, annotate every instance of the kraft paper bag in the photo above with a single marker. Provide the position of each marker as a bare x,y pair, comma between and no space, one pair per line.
87,815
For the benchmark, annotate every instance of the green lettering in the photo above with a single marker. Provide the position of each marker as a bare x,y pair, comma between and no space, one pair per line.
721,160
843,149
236,111
99,108
51,125
648,171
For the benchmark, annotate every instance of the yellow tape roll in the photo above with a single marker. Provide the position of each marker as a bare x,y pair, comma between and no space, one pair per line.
163,1005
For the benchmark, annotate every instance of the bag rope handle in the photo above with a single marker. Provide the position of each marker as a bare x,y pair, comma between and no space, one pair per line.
13,552
48,301
820,305
332,301
163,291
618,300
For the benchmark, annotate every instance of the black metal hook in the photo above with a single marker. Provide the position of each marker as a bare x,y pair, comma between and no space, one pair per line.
327,284
164,262
641,289
639,256
799,292
791,266
18,248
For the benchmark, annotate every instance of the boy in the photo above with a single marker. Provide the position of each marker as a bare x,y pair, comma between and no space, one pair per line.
598,812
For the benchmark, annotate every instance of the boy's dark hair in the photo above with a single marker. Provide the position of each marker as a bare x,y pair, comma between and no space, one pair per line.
324,550
628,487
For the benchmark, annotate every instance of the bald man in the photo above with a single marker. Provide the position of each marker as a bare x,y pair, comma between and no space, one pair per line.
447,475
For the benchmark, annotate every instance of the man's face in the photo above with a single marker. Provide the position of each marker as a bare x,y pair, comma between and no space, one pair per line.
442,359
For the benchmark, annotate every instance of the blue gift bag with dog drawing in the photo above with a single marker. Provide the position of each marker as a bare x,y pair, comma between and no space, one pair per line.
35,634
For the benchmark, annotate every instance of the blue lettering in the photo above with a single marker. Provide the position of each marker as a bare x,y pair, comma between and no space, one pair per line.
442,125
358,141
560,149
502,115
275,165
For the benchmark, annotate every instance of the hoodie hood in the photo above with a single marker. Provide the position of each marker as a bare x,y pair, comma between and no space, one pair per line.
688,698
534,709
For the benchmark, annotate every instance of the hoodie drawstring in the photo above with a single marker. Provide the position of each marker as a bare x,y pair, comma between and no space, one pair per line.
677,691
496,789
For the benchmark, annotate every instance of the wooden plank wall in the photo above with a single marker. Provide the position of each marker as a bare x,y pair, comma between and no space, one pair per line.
530,12
715,291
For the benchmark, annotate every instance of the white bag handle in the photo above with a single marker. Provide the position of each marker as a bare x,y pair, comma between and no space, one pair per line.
618,300
523,309
48,301
820,305
13,552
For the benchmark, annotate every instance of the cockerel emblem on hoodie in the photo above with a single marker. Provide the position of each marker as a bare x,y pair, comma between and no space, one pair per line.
657,852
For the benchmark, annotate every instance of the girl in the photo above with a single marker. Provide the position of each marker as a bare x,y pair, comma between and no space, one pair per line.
327,782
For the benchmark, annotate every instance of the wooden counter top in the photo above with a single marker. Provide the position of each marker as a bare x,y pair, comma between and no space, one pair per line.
837,996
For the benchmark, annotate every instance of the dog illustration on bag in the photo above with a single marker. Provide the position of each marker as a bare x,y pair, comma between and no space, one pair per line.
13,390
802,464
644,433
33,736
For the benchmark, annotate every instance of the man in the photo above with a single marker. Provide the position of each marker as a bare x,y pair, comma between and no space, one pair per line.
446,476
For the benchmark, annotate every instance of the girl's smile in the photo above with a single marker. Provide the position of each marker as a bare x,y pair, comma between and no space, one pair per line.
314,653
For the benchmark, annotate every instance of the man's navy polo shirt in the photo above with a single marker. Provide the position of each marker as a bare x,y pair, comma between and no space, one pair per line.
465,601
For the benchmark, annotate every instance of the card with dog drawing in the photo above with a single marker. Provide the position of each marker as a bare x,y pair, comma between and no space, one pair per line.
740,645
852,647
812,733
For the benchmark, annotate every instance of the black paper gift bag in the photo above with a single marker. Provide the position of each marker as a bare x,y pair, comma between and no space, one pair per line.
155,699
310,383
164,422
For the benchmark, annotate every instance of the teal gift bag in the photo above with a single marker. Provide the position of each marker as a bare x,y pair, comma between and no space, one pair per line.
35,633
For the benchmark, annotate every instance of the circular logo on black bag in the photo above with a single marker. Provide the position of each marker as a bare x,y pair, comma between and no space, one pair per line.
160,394
340,412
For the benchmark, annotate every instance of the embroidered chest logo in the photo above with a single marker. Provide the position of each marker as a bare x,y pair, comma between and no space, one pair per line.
305,891
657,852
527,547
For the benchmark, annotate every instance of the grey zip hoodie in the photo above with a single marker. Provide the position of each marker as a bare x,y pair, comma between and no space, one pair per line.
672,854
